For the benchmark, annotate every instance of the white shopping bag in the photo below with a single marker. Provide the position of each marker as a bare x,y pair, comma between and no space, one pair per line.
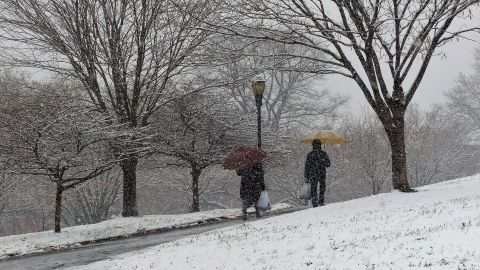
264,202
305,192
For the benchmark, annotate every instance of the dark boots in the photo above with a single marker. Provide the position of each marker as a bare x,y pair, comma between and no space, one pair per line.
257,212
244,210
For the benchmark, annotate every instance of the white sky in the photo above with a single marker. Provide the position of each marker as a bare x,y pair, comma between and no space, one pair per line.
440,76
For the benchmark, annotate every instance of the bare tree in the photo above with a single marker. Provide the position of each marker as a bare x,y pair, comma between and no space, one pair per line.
437,145
367,151
216,188
384,46
286,174
52,135
8,183
200,129
17,194
127,54
292,98
91,201
463,99
217,191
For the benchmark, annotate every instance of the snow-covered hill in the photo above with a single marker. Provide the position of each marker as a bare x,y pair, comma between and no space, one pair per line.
436,228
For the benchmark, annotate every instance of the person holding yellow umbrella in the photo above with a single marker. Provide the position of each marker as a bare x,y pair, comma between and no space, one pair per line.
318,161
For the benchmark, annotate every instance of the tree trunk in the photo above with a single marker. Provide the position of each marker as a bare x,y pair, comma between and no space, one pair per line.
129,169
58,207
196,172
396,137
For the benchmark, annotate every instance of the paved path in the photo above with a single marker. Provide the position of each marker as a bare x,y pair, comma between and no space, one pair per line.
106,250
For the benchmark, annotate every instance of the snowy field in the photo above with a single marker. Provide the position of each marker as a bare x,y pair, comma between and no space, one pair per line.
73,236
435,228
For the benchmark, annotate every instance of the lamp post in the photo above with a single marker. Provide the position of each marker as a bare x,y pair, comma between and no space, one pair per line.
258,88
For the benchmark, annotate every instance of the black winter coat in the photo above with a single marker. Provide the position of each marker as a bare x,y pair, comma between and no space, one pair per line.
252,183
316,164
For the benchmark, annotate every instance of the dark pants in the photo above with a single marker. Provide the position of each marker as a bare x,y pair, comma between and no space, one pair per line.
320,197
247,202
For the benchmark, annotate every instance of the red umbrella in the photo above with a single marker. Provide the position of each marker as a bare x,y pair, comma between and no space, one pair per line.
244,157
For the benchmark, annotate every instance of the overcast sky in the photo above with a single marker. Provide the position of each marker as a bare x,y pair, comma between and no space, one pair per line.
440,76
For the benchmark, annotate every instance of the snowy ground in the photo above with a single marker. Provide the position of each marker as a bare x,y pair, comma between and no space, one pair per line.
73,236
435,228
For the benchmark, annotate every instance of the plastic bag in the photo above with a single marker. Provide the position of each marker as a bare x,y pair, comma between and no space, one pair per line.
305,192
264,202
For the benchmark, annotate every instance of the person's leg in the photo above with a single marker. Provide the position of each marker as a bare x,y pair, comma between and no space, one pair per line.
257,211
321,194
245,206
313,191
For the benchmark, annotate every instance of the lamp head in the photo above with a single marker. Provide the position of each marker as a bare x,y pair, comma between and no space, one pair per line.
258,85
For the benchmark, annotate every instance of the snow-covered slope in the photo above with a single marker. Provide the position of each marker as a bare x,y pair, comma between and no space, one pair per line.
436,228
119,227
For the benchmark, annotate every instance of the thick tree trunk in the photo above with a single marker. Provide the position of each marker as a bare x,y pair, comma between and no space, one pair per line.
58,207
129,169
396,137
195,190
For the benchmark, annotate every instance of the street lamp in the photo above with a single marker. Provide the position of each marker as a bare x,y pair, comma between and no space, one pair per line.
258,87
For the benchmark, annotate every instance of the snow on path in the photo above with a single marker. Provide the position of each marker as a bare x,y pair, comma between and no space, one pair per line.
72,236
436,228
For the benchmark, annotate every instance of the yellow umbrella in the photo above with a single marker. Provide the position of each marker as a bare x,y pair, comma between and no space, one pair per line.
326,137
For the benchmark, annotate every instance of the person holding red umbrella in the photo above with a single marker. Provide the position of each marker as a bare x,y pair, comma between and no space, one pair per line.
251,186
247,161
